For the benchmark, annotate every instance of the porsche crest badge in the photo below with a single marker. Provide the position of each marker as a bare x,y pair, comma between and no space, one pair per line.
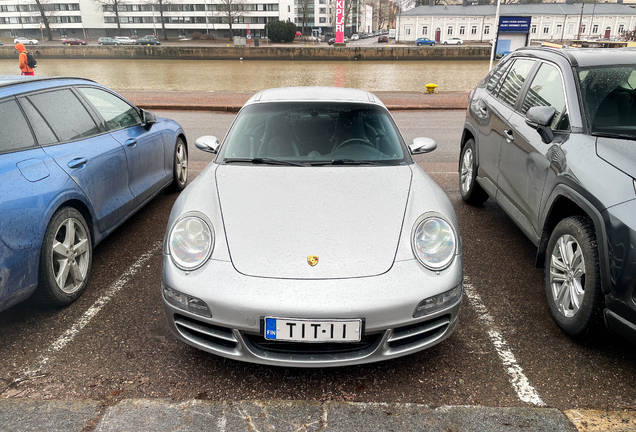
312,260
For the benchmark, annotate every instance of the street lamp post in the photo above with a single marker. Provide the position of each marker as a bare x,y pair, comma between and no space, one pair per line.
494,45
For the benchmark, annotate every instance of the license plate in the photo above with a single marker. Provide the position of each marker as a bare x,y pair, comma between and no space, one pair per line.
301,330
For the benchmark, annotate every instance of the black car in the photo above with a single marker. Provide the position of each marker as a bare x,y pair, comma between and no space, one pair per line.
550,136
148,40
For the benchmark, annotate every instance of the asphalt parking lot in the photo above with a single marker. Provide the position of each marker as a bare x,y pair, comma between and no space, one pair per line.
113,343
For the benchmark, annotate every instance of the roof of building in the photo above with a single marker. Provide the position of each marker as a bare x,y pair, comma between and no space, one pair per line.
522,9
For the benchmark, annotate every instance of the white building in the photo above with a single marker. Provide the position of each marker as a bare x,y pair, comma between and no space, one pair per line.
556,21
75,18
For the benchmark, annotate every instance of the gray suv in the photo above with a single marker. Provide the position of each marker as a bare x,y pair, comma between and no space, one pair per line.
550,135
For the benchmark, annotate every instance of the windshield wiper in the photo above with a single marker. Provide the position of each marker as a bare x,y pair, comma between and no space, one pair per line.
347,162
614,135
265,161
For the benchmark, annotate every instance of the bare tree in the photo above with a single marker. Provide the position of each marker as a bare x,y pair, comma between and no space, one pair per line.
381,11
232,10
161,6
305,7
111,6
45,18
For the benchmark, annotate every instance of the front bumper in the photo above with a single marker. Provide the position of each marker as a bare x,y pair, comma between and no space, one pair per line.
385,303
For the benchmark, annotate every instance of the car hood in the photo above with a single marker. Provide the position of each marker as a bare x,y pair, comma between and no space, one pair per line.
619,153
276,217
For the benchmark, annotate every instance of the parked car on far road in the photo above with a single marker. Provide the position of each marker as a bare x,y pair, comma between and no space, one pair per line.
453,41
355,255
355,37
424,41
25,41
125,40
73,41
149,40
383,39
108,41
75,163
549,136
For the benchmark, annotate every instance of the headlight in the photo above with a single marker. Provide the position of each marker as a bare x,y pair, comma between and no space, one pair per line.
438,302
190,242
434,243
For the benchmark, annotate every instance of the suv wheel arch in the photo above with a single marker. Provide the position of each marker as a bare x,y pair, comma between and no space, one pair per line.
564,202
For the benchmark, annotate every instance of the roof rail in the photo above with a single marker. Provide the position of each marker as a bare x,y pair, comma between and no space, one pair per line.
560,52
18,80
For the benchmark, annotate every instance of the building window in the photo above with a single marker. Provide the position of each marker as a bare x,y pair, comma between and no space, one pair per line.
595,28
487,30
322,20
424,30
462,30
570,28
533,29
546,29
621,28
288,8
322,10
559,27
473,30
583,28
407,30
449,31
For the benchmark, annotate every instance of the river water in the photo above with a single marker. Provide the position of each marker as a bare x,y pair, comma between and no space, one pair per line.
254,75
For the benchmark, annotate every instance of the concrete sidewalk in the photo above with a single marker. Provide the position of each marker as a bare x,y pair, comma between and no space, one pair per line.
233,101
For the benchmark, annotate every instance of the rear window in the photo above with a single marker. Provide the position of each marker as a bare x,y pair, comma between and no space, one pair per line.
609,99
18,136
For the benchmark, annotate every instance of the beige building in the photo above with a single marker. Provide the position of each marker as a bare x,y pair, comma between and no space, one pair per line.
555,21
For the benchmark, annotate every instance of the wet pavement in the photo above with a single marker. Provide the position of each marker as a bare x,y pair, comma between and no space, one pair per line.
126,352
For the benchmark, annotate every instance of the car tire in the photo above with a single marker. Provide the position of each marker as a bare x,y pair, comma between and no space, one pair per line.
179,166
99,43
419,44
445,43
471,192
433,44
581,279
65,258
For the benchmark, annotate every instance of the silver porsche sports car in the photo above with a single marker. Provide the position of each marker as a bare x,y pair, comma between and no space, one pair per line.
313,239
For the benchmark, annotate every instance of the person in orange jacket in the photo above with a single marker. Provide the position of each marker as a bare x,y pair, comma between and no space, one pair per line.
24,65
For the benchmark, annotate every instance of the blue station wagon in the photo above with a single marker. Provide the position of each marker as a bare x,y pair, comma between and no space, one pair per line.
76,160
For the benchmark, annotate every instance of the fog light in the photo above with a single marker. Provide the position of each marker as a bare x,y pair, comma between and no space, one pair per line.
186,302
438,302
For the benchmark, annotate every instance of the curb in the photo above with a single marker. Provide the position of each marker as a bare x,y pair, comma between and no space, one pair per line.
197,415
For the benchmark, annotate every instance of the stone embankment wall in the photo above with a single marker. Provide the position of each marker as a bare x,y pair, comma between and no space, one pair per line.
254,53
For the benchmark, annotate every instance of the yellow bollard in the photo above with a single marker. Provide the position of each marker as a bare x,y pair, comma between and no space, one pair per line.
228,46
430,87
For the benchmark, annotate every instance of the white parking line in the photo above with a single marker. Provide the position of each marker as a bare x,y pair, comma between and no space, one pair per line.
39,365
518,379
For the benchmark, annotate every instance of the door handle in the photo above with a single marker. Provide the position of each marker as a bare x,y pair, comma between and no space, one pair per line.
131,142
77,162
509,136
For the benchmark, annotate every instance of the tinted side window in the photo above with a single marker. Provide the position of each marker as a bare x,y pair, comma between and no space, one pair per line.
65,114
514,81
546,89
117,113
42,130
18,135
496,76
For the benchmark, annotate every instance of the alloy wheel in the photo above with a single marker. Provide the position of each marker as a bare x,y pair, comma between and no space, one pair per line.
70,255
181,163
467,170
567,275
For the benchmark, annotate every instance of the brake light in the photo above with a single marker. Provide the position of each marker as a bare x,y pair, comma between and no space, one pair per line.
470,94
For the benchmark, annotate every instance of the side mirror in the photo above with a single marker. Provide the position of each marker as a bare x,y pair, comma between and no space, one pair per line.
207,143
148,119
539,118
422,145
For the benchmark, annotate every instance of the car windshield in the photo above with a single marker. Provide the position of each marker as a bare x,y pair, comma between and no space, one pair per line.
609,97
315,133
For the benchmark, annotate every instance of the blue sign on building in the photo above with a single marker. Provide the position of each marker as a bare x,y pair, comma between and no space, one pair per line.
514,24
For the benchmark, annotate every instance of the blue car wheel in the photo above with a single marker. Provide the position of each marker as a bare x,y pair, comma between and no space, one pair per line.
65,258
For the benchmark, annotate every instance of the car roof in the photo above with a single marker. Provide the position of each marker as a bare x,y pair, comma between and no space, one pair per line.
314,94
587,57
15,84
